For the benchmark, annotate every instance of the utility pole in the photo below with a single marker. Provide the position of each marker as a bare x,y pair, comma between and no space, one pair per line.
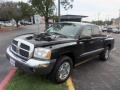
58,10
119,20
119,13
98,17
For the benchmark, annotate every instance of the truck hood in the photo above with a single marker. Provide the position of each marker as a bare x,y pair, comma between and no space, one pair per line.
42,43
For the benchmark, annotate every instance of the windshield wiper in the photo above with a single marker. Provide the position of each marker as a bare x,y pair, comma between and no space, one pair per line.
59,34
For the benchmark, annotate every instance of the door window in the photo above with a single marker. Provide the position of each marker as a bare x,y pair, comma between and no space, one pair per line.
96,31
87,32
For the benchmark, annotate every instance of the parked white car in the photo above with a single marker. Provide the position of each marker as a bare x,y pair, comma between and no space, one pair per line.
6,24
26,23
116,30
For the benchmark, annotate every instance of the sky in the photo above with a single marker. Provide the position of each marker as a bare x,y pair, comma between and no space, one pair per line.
94,9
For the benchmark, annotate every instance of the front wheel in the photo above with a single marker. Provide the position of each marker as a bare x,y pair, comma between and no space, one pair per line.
105,55
62,70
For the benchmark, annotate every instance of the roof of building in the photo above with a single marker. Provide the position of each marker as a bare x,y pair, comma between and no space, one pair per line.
78,23
72,16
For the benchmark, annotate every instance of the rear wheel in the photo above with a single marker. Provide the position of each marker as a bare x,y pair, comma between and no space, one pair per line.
62,69
105,55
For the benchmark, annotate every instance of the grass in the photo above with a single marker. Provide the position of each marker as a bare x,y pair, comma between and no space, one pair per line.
23,81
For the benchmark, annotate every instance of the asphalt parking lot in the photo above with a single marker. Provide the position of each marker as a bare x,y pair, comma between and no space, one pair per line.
100,75
93,75
5,39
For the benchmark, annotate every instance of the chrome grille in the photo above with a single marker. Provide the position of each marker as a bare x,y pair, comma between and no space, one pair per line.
14,48
15,42
25,46
22,48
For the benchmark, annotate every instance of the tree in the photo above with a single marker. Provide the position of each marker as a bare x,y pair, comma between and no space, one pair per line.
100,22
5,11
16,11
10,10
26,9
44,8
67,4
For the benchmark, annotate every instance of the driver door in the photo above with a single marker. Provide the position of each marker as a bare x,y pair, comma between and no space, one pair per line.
86,44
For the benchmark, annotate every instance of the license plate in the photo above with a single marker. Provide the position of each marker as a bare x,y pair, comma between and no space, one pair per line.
12,62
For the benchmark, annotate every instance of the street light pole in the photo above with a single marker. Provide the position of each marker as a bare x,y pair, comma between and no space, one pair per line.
58,10
98,16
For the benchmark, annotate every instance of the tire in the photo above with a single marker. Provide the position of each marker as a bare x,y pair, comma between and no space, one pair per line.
60,69
105,55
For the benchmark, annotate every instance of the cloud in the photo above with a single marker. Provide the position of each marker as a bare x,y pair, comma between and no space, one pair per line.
105,8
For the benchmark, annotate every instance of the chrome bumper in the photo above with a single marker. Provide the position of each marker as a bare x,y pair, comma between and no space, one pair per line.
32,63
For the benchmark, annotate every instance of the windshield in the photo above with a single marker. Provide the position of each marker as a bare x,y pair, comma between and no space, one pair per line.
66,29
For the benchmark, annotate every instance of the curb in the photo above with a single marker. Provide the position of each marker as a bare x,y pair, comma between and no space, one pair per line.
69,84
5,30
7,79
9,30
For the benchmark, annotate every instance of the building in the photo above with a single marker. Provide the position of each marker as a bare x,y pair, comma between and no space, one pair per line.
116,22
77,18
38,19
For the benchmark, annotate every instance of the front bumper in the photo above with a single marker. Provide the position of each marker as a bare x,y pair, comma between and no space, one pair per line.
32,65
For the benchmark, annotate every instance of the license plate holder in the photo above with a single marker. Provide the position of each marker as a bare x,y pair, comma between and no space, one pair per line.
12,62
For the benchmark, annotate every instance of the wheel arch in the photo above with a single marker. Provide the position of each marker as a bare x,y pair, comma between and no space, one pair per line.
71,55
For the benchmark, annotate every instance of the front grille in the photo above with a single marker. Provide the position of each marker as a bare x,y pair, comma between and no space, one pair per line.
25,46
15,42
14,48
24,53
22,49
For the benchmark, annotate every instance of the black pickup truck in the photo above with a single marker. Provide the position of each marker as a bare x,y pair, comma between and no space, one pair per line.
59,49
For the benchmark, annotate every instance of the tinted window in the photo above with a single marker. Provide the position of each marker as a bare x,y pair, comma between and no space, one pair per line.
86,31
96,30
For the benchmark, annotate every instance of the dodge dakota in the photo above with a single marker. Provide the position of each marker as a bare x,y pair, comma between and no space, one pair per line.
59,49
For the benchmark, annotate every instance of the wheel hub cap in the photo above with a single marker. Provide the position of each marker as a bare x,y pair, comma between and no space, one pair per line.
64,70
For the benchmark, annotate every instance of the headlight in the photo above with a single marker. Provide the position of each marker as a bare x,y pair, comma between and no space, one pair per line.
42,53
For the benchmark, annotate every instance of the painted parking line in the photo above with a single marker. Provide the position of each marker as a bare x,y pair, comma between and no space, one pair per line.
69,84
7,79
